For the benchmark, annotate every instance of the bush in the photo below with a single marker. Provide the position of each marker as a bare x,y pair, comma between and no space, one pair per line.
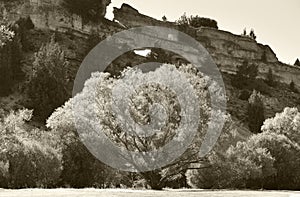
287,160
32,164
25,161
211,175
236,169
80,168
286,123
256,114
292,87
284,127
197,22
261,86
270,78
47,84
244,95
245,75
269,160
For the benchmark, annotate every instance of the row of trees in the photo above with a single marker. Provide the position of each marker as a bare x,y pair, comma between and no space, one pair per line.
250,35
246,80
58,157
267,160
35,158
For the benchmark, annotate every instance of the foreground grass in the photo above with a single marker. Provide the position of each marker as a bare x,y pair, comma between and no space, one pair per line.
141,193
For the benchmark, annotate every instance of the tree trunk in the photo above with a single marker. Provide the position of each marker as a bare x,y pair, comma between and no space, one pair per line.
153,179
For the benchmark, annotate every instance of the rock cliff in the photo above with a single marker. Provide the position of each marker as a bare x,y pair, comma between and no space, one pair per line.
228,50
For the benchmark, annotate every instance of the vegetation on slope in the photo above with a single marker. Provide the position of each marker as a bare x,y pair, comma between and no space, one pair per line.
55,156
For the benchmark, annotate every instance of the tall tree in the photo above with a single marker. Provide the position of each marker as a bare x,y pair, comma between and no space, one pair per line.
256,114
140,103
48,79
270,77
297,63
6,60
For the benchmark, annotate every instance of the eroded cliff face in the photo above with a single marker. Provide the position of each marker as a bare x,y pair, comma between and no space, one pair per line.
50,15
228,50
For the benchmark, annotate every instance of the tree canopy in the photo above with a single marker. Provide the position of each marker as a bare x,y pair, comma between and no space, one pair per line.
140,104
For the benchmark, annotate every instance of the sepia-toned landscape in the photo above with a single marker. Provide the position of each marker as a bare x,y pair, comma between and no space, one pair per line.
140,106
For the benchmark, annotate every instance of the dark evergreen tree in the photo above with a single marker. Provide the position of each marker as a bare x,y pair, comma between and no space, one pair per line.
252,34
297,63
245,73
48,80
270,77
256,114
292,87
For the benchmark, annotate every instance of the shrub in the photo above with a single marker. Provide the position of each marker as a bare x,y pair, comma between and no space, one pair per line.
287,160
32,164
292,87
80,168
269,160
164,18
46,88
210,174
244,95
197,22
270,78
25,161
236,169
286,123
256,115
246,74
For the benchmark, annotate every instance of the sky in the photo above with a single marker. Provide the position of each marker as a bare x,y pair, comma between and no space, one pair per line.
276,22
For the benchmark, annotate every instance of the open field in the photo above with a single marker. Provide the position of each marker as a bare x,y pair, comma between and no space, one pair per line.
141,193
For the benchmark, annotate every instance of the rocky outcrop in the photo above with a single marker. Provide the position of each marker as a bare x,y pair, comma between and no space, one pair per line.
228,50
50,15
130,17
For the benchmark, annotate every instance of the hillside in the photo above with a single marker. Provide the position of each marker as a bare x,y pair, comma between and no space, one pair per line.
228,50
43,44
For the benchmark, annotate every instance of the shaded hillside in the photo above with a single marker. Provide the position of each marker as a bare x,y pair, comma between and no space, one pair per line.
228,50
